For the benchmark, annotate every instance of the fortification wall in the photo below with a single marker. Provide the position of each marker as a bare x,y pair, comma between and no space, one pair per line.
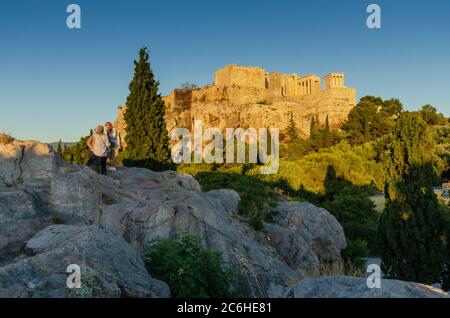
241,76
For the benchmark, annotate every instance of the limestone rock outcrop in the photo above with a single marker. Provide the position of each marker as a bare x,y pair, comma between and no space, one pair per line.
53,214
109,266
129,208
353,287
306,235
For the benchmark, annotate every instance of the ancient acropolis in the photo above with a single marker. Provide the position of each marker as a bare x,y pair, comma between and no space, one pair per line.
243,96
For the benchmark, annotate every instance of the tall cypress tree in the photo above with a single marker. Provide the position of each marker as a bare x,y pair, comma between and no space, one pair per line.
59,150
66,153
147,137
411,229
327,142
313,127
292,128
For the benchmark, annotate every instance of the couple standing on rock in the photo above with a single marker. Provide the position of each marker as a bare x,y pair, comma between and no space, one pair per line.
104,146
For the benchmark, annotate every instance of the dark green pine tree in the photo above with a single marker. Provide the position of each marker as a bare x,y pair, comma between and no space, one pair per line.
411,229
66,153
292,128
313,128
147,138
326,136
76,152
59,151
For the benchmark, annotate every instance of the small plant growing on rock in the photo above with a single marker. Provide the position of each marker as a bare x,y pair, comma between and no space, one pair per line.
88,284
108,200
189,270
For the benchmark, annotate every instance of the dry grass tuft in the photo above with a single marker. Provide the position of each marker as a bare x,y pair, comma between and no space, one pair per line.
338,268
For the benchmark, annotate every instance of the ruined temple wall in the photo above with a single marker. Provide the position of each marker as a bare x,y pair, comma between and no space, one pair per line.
289,85
273,83
241,76
334,80
229,95
339,93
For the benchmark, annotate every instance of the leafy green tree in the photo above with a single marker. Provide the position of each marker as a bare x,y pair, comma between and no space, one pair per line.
352,207
371,119
147,137
77,155
314,126
66,153
411,229
393,107
292,128
326,134
446,272
59,151
431,116
188,269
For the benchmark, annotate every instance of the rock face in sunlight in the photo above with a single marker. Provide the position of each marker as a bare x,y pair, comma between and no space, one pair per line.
305,235
53,214
243,96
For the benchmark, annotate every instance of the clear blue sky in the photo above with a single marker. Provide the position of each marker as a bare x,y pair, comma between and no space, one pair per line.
58,83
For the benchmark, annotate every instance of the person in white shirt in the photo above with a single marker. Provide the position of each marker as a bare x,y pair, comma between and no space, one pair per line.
99,144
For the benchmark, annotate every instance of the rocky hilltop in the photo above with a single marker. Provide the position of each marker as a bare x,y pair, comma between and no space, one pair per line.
53,214
251,97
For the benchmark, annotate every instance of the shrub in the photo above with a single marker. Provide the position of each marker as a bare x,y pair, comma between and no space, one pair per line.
355,252
358,217
188,269
256,196
355,164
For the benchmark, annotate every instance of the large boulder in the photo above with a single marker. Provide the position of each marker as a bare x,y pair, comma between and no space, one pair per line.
26,162
160,205
355,287
110,267
306,235
21,217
